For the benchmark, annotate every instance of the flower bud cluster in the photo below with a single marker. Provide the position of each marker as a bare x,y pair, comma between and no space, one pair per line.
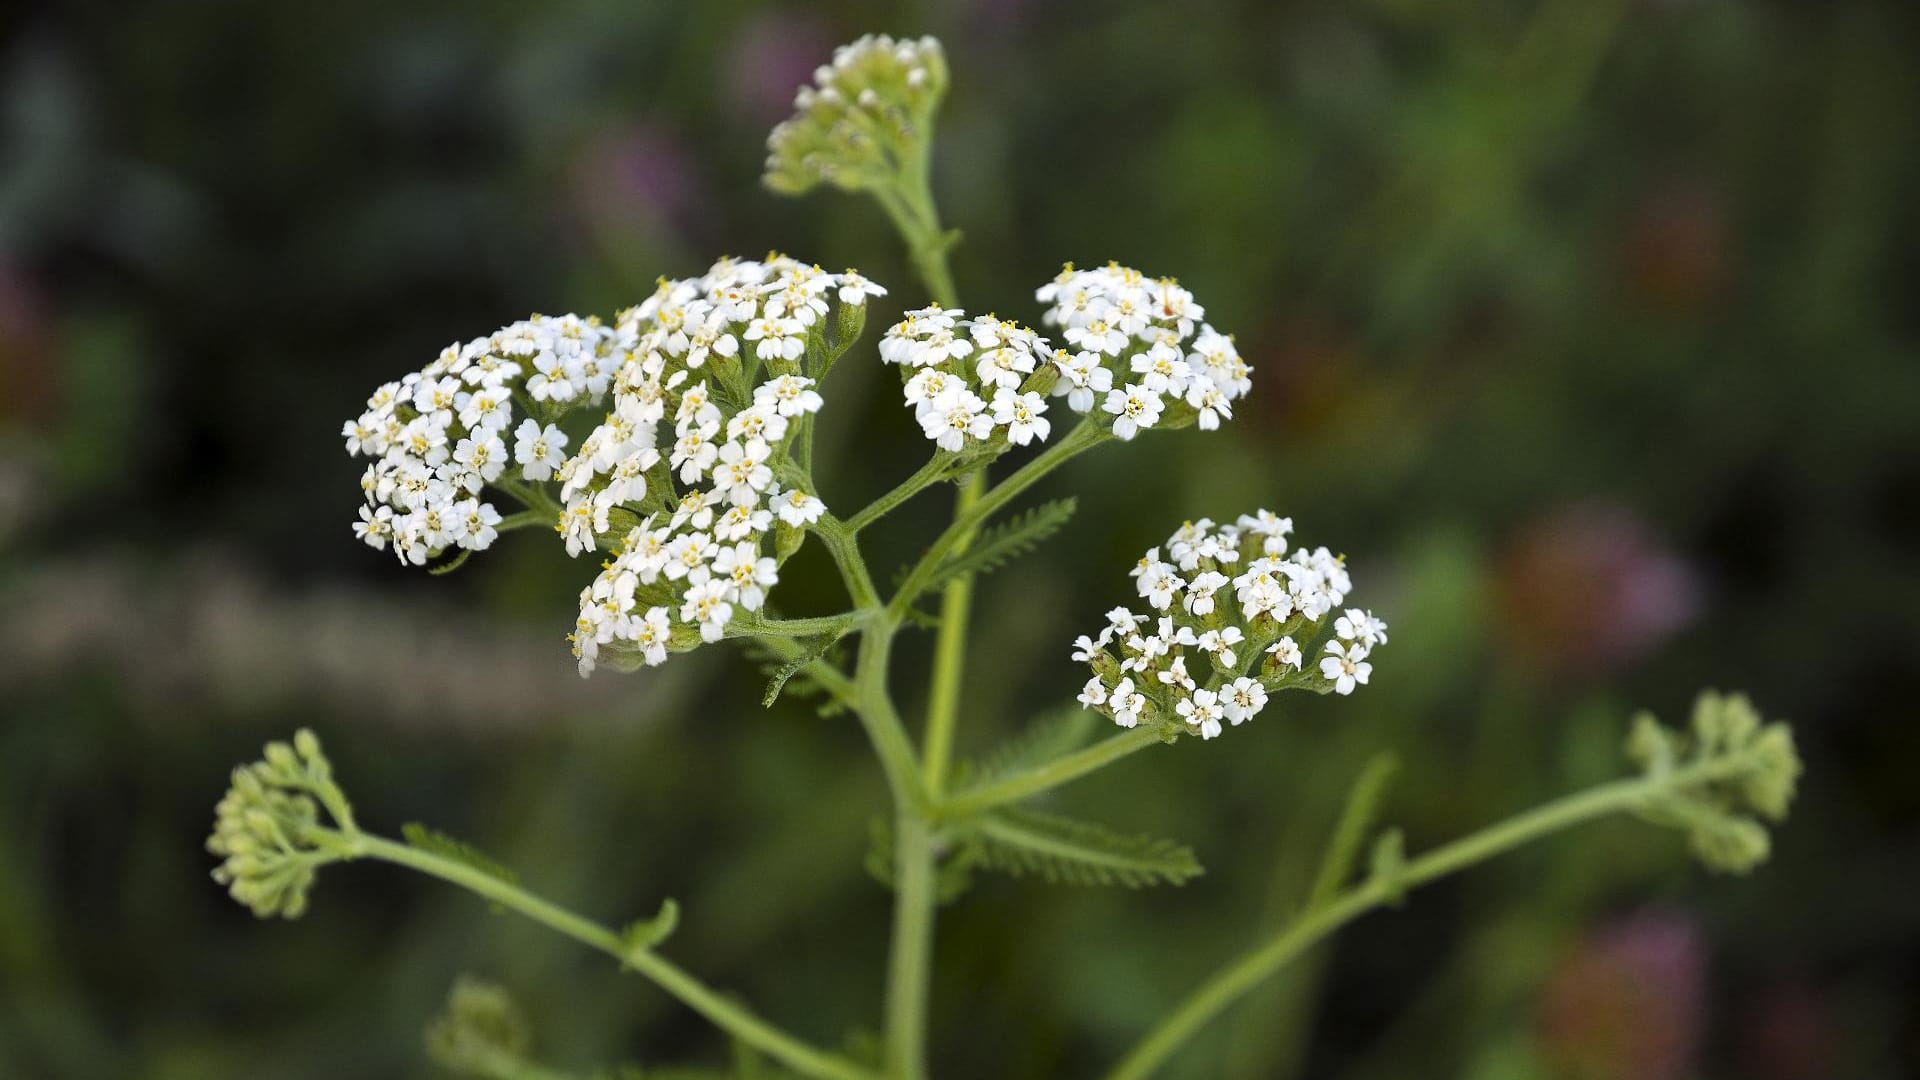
971,381
691,470
440,435
1751,771
868,111
267,827
1230,619
1138,351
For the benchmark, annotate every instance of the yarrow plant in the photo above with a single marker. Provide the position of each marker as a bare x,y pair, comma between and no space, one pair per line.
673,442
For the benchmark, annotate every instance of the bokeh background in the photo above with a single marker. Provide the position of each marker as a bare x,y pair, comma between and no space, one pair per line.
1585,327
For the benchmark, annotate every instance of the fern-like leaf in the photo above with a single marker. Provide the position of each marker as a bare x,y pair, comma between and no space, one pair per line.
994,547
1064,851
788,675
1049,736
447,847
811,650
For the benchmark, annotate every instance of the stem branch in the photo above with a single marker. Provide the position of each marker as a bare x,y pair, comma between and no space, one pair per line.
1231,982
1045,777
721,1010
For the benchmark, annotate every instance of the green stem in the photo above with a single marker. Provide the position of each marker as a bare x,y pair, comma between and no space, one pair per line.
1231,982
950,652
721,1010
910,967
845,549
874,704
930,474
1082,438
751,625
1045,777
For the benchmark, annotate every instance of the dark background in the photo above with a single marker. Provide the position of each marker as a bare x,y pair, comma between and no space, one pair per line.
1585,327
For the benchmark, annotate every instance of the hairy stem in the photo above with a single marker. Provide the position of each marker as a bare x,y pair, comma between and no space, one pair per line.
845,549
1231,982
721,1010
930,474
950,652
910,962
1031,782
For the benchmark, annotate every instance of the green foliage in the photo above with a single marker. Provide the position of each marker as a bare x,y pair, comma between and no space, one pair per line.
482,1033
1356,821
649,933
1052,735
1749,773
1066,851
996,546
447,847
788,675
1387,865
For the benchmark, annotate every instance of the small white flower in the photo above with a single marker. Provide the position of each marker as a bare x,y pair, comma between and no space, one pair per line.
954,417
1243,699
1128,704
855,289
797,508
1286,653
780,339
1346,665
539,451
652,636
1094,694
1361,628
1201,711
707,606
1021,415
790,394
1134,407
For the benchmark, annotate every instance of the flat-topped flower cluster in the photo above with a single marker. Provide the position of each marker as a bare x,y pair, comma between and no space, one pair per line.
1136,355
1230,619
867,112
971,381
1139,351
439,435
727,362
722,362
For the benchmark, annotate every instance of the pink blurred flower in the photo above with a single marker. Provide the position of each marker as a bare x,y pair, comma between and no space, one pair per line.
1591,587
637,176
27,375
1628,1001
773,57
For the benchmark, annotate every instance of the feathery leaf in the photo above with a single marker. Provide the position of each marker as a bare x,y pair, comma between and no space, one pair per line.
1066,851
994,547
439,843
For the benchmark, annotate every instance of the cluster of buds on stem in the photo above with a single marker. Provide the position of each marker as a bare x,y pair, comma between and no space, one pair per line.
268,830
1752,771
1232,618
867,118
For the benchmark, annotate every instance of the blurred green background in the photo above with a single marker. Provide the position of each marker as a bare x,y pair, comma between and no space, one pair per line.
1585,327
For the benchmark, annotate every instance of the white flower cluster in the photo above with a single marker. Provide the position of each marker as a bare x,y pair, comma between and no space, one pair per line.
864,112
1139,351
719,358
1231,618
971,381
440,435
